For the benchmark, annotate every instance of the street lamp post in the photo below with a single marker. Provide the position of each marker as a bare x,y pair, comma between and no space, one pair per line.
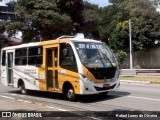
130,44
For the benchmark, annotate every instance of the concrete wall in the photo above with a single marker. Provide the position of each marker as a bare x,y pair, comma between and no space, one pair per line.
149,59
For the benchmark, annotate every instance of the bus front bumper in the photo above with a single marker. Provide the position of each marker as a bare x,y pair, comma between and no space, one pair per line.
96,88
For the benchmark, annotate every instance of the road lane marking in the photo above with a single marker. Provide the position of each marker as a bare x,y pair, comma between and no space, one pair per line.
45,106
49,107
144,98
20,100
7,97
40,104
56,108
27,101
130,96
95,118
61,109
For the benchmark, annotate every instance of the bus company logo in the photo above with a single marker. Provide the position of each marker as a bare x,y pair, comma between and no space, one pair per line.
6,114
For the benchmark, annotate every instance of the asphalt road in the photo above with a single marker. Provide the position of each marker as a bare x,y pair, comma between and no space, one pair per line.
131,97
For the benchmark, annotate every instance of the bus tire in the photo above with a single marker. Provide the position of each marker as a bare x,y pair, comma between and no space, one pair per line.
23,89
70,94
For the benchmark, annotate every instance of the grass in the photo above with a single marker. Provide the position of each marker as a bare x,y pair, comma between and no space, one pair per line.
152,79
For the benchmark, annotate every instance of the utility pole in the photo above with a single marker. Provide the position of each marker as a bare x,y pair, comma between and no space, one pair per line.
130,44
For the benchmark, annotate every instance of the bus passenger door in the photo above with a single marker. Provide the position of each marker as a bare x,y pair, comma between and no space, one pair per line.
10,68
52,68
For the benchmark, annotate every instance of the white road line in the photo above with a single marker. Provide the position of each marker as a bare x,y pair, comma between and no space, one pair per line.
14,99
56,108
40,104
60,109
50,107
7,97
144,98
27,101
20,100
95,118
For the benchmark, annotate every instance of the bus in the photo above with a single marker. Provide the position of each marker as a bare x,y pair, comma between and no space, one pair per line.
69,65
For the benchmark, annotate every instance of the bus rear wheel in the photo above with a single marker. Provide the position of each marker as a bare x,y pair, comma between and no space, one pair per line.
23,89
70,94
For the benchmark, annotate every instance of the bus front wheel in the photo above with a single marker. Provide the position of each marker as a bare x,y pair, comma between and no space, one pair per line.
71,94
23,89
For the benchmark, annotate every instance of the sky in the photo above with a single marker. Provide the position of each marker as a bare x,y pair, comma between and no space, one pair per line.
100,3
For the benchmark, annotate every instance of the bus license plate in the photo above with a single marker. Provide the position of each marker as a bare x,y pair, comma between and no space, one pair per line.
106,85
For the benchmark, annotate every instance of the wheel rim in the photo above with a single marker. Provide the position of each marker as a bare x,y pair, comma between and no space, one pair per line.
23,91
70,93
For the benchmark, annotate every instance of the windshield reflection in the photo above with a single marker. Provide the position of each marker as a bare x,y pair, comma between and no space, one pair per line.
95,55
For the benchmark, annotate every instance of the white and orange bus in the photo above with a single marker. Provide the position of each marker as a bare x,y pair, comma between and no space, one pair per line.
68,65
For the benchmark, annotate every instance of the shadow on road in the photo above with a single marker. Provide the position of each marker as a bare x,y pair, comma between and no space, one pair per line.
80,98
97,98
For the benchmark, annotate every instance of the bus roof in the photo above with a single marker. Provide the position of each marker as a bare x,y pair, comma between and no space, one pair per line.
84,40
61,40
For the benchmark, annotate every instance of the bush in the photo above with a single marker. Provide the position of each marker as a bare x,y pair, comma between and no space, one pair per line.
121,55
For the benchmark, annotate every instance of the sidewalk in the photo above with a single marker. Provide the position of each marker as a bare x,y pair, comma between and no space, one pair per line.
148,72
133,81
140,75
12,104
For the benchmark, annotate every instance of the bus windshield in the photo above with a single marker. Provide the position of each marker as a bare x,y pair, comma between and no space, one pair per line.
95,55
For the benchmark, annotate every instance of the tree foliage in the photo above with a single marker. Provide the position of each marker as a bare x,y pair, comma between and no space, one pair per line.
48,18
145,25
92,20
52,18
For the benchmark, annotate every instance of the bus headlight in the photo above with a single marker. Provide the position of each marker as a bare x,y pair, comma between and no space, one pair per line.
86,78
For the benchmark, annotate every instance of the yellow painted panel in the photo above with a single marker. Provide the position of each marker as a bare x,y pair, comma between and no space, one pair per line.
42,85
41,77
71,77
49,42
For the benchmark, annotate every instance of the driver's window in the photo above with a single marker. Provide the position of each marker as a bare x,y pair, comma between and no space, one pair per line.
67,57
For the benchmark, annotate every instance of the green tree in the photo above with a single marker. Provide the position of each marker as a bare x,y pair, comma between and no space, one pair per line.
92,20
145,25
2,27
121,56
48,18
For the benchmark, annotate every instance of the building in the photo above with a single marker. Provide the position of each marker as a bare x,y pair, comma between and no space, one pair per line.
7,13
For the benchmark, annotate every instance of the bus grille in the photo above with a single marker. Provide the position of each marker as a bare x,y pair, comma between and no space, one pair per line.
103,73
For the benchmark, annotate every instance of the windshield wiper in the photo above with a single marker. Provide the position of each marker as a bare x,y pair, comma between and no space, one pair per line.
105,57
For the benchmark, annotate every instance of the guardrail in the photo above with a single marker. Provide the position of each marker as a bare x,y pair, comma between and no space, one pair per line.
140,72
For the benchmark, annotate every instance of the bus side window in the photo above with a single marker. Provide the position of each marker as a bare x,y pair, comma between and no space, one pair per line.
21,56
35,55
67,57
3,58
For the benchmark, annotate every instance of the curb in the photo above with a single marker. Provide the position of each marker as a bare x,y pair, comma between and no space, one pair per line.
132,81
